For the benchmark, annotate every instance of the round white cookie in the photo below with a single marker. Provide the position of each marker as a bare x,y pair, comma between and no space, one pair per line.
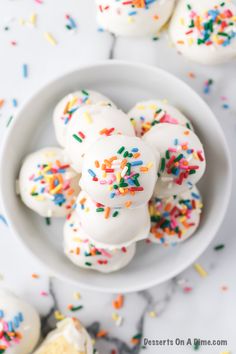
205,31
146,114
84,253
112,227
176,218
134,17
69,337
47,183
91,123
67,106
120,171
182,158
19,325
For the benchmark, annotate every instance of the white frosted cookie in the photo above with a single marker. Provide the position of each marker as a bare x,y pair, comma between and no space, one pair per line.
112,227
91,123
120,171
47,183
182,158
146,114
84,253
205,30
134,17
176,218
68,105
70,337
19,325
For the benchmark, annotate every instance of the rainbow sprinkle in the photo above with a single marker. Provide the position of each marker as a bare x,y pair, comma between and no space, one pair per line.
150,115
121,173
9,331
173,217
214,27
175,162
74,102
51,183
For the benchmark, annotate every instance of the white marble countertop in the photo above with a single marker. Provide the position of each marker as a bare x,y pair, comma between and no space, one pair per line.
188,306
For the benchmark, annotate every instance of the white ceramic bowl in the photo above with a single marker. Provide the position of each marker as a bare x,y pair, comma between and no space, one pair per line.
126,84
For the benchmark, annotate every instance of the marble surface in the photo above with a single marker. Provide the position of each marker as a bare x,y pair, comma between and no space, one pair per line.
188,306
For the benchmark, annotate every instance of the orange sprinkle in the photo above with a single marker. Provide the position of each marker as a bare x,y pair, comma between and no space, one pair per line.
128,204
101,333
107,212
135,341
123,164
82,201
69,306
191,75
77,250
143,169
97,164
118,302
180,42
1,103
70,191
186,132
168,207
136,155
35,276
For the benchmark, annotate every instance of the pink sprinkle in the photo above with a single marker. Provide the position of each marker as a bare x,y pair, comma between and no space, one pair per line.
31,177
105,253
43,293
168,119
103,181
172,150
187,289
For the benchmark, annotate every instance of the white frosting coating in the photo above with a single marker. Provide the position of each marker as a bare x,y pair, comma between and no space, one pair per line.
112,227
144,115
94,122
188,31
67,106
182,158
176,218
47,183
133,18
74,333
86,254
120,171
25,323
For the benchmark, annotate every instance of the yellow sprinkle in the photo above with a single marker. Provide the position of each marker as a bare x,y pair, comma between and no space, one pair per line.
33,19
195,155
40,198
115,316
149,165
141,107
233,18
21,21
77,239
225,353
58,316
50,154
153,106
118,177
88,117
77,296
50,38
56,189
190,41
104,175
152,314
93,341
47,168
72,102
182,22
130,19
89,101
87,210
201,271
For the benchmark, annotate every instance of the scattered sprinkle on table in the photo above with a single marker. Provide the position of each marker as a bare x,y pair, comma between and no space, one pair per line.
152,314
9,121
59,316
136,338
219,247
50,38
35,276
200,270
207,86
43,293
25,71
71,23
3,219
102,333
77,295
118,302
2,101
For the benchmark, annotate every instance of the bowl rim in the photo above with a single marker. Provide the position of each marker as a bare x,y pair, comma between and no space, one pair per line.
215,227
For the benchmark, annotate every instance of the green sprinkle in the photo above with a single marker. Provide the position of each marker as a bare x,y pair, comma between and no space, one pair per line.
121,150
188,126
189,7
88,264
219,247
126,154
163,164
192,172
116,213
77,138
99,210
155,38
178,158
76,308
167,154
85,92
138,336
9,121
48,221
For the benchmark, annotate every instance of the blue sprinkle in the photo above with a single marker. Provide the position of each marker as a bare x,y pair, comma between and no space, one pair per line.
134,150
112,195
1,314
14,102
2,218
91,173
10,326
132,13
136,163
195,195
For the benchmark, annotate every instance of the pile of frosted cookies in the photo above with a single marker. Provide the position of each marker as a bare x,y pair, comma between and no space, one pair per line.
201,30
118,178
